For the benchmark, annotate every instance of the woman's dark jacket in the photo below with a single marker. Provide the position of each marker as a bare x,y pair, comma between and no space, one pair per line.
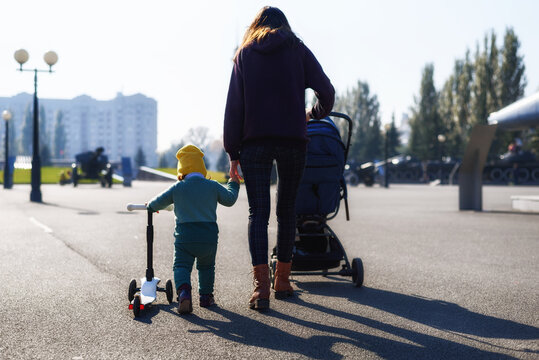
266,97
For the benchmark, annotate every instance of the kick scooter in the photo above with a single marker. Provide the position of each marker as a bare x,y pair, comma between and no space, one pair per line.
143,297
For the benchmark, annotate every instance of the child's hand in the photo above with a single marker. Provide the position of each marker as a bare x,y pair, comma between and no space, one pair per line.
146,204
234,173
236,179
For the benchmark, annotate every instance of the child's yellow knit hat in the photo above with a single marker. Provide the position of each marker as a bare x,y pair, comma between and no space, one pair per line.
190,160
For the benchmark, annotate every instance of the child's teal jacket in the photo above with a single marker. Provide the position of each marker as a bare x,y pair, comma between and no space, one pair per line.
195,202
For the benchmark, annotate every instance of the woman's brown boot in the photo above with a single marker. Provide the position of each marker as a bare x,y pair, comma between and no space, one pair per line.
260,298
282,286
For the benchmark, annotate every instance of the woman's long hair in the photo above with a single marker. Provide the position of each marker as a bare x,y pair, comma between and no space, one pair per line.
268,20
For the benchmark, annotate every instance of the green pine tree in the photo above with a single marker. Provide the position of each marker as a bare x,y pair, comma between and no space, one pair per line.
140,158
446,109
394,138
223,163
426,122
512,77
511,85
59,136
480,87
163,162
363,109
27,132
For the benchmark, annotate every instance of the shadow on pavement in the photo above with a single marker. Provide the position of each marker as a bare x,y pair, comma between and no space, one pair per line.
81,211
147,314
438,314
431,312
248,331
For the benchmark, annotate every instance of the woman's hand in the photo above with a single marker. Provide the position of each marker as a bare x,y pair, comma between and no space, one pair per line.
307,114
234,173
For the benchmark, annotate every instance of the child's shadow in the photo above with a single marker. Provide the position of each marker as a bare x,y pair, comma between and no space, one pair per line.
149,312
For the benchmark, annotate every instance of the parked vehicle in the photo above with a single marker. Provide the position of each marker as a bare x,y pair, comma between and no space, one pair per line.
92,165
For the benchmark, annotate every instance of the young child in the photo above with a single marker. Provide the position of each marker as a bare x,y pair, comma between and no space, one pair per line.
195,201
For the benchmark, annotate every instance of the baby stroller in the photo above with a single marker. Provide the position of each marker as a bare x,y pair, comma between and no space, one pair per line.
317,249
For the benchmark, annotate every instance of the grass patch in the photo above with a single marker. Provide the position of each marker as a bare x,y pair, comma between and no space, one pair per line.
214,175
49,175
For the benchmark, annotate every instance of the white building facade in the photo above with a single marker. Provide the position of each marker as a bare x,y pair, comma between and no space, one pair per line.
120,125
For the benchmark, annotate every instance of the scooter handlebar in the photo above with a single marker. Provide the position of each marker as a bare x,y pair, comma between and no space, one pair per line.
133,207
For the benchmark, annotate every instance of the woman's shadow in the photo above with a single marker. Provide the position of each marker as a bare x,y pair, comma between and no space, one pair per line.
288,333
438,314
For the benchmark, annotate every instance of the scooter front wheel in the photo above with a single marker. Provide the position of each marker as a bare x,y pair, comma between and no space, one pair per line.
132,290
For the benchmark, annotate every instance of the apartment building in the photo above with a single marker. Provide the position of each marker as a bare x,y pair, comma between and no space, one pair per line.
120,125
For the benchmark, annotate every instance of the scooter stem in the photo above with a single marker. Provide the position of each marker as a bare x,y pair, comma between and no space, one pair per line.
149,242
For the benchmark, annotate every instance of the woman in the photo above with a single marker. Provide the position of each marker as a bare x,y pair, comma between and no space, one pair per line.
265,121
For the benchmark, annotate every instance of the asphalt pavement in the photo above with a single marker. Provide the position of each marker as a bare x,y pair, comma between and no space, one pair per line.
439,283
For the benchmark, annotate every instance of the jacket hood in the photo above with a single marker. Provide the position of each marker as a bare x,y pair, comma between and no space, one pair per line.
272,42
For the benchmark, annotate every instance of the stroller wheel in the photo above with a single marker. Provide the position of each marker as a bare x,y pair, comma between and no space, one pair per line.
273,266
357,272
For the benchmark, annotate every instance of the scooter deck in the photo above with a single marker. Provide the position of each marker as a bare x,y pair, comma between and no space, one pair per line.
148,290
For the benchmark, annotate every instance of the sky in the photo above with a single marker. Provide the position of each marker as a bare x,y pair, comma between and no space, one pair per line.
180,52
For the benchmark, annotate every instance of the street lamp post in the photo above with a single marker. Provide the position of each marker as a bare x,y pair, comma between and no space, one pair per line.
6,115
50,57
441,140
386,167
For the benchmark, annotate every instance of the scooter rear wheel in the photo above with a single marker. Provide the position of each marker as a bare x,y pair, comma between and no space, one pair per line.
136,306
169,290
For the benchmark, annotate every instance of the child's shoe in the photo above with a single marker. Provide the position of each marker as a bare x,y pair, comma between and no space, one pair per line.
206,300
185,304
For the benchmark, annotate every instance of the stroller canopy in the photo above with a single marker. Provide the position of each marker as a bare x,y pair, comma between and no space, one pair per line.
320,189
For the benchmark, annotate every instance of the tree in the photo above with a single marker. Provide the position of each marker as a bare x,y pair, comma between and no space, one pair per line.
512,78
463,98
198,136
169,155
493,68
223,163
480,87
27,132
362,107
43,133
163,162
13,141
425,123
59,135
511,84
140,158
45,154
394,138
446,109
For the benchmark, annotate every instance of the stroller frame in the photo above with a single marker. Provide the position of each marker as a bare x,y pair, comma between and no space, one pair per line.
319,230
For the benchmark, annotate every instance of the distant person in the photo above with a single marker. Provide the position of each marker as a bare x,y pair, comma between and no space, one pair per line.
265,121
195,200
65,177
94,163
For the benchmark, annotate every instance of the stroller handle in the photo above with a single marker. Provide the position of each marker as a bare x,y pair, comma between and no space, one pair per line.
349,136
133,207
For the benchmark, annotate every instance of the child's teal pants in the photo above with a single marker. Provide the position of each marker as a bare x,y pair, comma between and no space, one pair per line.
185,254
